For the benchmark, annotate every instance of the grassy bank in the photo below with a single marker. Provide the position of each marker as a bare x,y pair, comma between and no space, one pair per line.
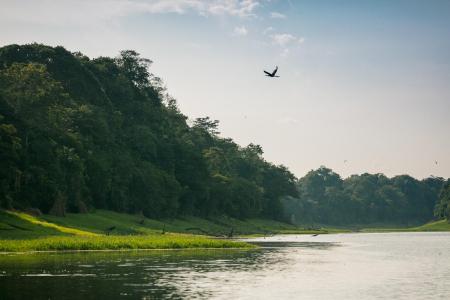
14,225
441,225
132,224
20,232
167,241
110,230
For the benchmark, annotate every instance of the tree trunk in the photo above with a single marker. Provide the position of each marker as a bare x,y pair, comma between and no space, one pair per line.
59,206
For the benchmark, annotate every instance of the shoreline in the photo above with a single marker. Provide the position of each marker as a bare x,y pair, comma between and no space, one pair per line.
229,245
23,233
119,243
3,253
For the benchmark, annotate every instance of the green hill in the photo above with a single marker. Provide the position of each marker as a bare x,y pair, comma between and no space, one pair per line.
14,225
441,225
78,134
107,230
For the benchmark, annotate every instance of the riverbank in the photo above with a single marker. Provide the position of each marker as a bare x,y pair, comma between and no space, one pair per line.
107,230
104,230
16,225
441,225
147,242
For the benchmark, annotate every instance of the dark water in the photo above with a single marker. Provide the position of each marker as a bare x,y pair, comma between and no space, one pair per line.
341,266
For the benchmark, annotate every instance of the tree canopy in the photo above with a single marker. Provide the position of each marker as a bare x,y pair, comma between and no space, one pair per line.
79,133
325,198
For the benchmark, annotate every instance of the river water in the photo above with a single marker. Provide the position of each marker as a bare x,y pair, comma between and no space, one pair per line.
335,266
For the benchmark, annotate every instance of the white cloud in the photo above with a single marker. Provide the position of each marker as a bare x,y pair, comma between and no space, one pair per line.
241,8
282,39
79,11
285,39
240,31
286,42
277,15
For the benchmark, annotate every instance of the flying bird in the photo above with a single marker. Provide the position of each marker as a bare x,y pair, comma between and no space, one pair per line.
273,73
436,162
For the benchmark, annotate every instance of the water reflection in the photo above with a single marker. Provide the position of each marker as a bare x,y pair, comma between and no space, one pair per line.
375,266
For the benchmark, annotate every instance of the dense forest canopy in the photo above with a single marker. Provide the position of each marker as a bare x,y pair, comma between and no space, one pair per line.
325,198
79,133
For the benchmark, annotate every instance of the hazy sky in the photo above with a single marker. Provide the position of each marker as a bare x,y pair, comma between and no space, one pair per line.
362,81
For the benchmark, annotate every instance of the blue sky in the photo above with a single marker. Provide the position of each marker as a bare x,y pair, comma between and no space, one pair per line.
361,81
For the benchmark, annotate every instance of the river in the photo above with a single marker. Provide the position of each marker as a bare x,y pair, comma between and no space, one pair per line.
334,266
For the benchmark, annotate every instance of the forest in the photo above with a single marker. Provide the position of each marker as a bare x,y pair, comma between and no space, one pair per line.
325,198
78,134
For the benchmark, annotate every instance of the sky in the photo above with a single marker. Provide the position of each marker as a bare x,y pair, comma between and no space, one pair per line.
364,86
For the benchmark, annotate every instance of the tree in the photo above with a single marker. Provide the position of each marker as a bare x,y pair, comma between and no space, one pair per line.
134,67
443,206
79,133
361,199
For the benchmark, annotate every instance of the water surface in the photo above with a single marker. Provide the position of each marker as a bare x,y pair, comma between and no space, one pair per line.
338,266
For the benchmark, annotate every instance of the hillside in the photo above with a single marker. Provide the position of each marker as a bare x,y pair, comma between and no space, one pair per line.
78,134
107,230
20,226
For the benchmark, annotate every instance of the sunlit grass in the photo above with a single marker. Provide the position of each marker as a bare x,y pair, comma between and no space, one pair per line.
84,232
442,225
99,220
36,221
166,241
20,232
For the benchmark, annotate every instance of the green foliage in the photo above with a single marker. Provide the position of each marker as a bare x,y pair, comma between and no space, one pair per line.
325,198
443,206
79,134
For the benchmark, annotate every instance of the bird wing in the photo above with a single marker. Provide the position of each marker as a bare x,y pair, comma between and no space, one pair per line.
267,73
274,71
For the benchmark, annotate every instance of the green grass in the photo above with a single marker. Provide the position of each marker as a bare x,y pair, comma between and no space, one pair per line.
97,222
45,224
12,226
442,225
130,224
166,241
22,232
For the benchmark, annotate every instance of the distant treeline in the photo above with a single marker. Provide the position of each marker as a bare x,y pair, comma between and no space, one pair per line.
79,133
325,198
